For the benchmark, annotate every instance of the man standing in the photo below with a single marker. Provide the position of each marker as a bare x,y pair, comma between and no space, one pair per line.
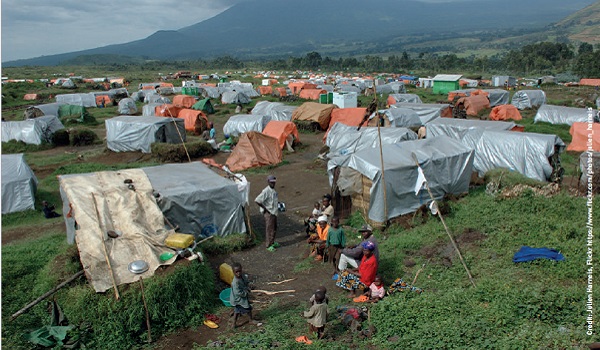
267,201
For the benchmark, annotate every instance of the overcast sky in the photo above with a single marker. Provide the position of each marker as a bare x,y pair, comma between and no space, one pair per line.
33,28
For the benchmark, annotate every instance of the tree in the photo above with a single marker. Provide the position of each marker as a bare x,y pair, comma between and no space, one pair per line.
313,60
585,48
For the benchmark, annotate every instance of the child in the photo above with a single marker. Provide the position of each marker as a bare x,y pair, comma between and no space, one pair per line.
316,212
240,291
376,290
336,241
313,297
317,315
311,222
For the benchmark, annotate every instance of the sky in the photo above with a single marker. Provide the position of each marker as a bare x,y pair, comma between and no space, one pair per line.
33,28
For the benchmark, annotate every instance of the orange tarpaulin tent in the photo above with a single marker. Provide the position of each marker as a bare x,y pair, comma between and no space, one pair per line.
580,132
505,112
480,92
311,94
184,101
280,129
590,82
166,85
350,117
253,150
298,86
315,112
102,98
474,104
265,90
30,97
167,110
281,91
453,94
189,117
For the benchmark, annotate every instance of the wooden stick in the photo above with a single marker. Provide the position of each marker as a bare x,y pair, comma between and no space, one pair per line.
45,295
280,282
385,210
246,210
205,239
272,293
417,275
146,308
446,227
110,270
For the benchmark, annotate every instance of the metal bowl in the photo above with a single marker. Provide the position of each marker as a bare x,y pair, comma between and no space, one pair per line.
138,267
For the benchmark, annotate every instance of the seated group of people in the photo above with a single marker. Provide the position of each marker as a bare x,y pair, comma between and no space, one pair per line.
209,135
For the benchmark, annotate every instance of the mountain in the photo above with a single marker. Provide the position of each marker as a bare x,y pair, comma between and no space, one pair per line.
583,25
279,28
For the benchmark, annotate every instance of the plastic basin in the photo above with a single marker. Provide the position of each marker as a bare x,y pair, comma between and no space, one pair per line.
224,296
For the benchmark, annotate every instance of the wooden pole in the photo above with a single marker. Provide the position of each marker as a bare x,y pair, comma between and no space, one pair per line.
45,295
446,227
101,231
146,308
385,211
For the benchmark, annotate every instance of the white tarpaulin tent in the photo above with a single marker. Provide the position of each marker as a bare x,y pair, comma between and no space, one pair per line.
395,87
234,97
562,115
149,110
409,98
274,110
50,108
128,133
31,131
528,98
457,128
18,184
127,106
446,163
497,97
426,111
402,117
85,100
241,123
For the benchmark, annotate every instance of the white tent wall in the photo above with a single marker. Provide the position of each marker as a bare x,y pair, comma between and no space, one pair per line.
241,123
528,98
18,184
85,100
402,117
563,115
500,80
128,133
408,98
426,111
31,131
274,110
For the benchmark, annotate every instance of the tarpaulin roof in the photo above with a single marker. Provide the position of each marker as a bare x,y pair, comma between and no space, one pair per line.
505,112
397,98
497,96
189,117
395,87
274,110
31,131
589,82
528,98
280,130
184,101
149,110
253,150
204,105
234,97
311,94
316,112
474,104
402,117
426,111
167,110
18,184
127,106
241,123
50,108
85,100
446,163
129,133
458,128
562,115
580,133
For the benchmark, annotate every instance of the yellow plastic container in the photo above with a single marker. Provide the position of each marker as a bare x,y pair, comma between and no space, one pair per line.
226,273
179,240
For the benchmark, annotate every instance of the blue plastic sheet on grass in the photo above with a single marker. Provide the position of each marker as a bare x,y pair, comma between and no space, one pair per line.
528,254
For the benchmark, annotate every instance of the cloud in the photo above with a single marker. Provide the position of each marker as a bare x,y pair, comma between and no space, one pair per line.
32,28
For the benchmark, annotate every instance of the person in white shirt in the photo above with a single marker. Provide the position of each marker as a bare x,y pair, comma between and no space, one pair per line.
267,201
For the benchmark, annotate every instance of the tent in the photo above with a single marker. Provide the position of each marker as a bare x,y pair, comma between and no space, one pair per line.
504,80
241,123
426,111
589,82
156,98
209,91
281,130
127,107
234,97
350,117
190,116
31,131
528,98
314,112
184,101
459,93
311,94
580,133
265,90
149,110
563,115
505,112
446,163
402,117
85,100
50,108
167,110
254,150
348,88
204,105
397,98
128,133
274,110
473,104
396,87
458,128
280,92
18,184
103,100
31,97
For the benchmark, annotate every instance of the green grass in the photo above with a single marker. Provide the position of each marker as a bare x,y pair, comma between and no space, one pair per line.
14,146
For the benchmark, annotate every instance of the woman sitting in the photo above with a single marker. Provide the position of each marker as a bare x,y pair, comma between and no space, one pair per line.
317,240
360,279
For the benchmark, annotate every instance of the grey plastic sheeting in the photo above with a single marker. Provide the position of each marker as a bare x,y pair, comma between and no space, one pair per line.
274,110
149,110
209,91
446,163
18,184
241,123
497,97
395,87
344,140
402,117
562,115
528,98
408,98
31,131
457,128
426,111
155,98
198,200
525,153
85,100
348,88
234,97
50,108
127,133
127,106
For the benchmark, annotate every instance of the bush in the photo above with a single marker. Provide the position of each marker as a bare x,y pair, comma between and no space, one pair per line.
172,153
82,137
14,146
61,138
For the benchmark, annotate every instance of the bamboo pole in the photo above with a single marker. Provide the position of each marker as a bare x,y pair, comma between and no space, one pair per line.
414,156
101,231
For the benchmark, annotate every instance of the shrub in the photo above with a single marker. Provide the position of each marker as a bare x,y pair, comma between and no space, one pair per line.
14,146
61,138
82,137
167,152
